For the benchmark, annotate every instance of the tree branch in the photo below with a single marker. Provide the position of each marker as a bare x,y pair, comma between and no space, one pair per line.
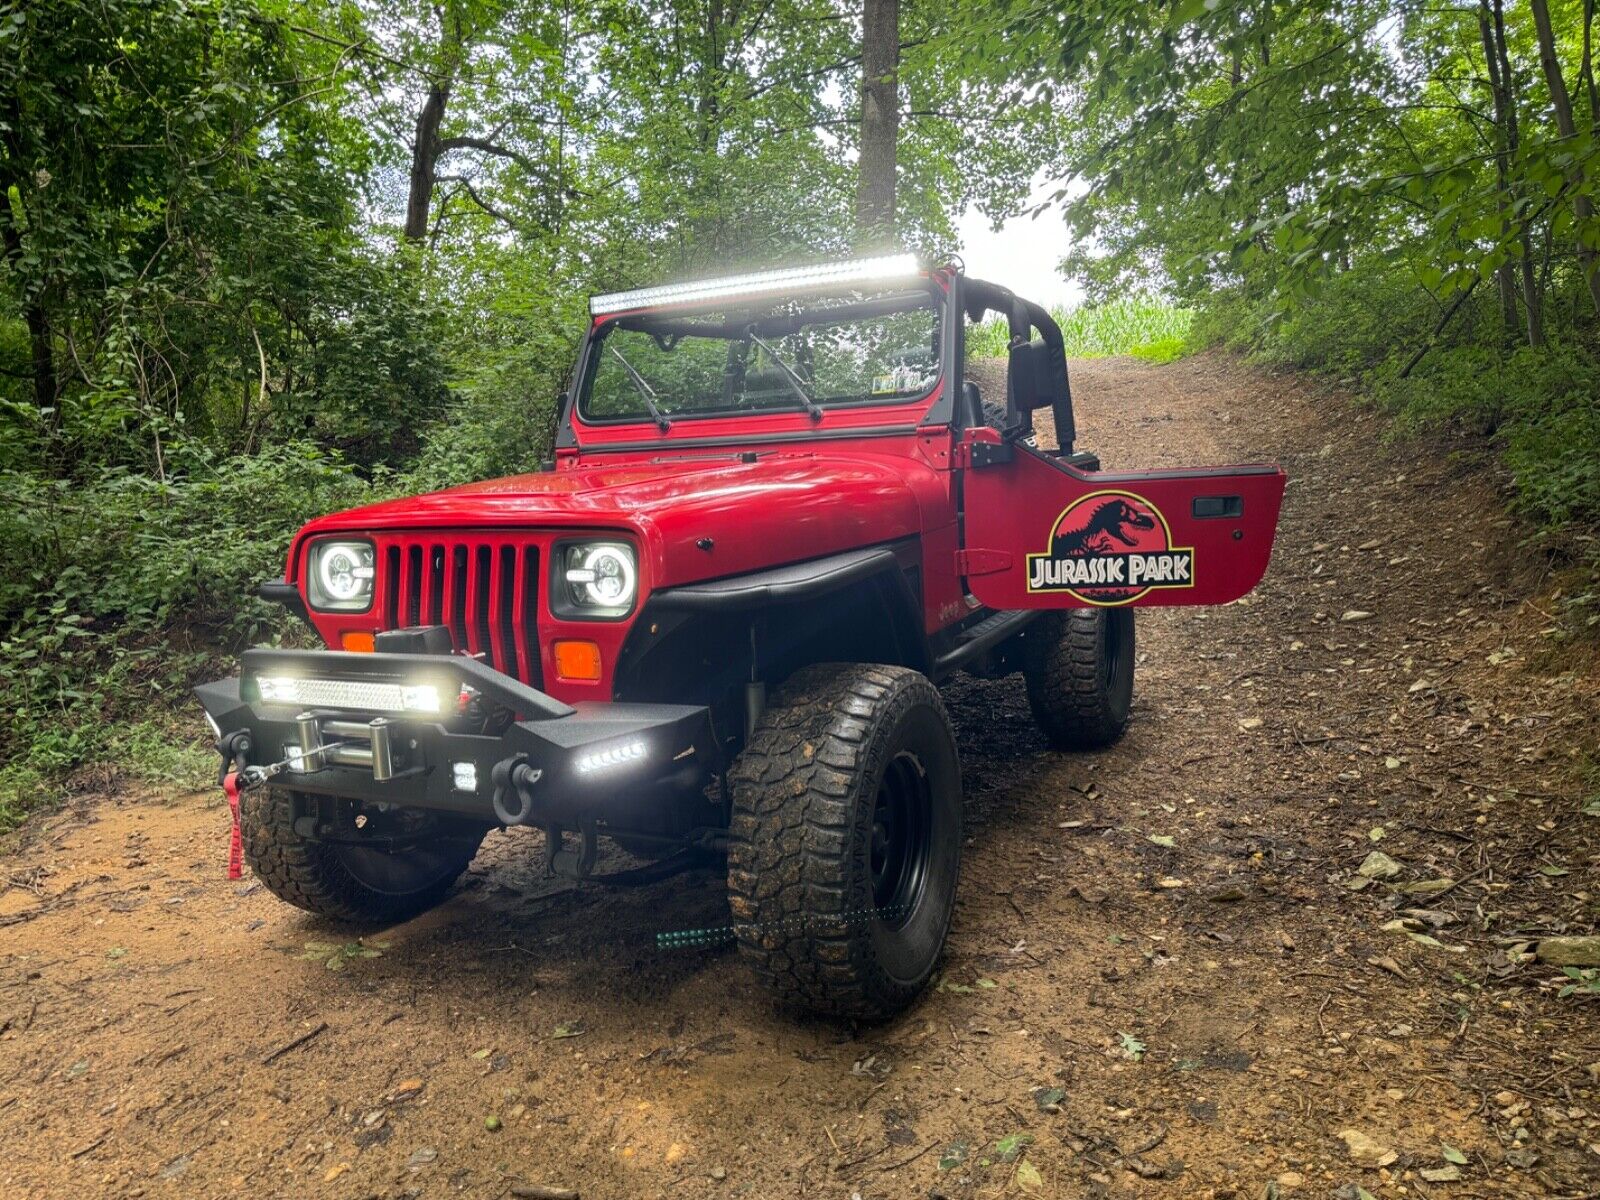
472,192
360,48
487,147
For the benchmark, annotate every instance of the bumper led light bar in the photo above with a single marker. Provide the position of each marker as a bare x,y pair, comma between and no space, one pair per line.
611,756
883,269
346,693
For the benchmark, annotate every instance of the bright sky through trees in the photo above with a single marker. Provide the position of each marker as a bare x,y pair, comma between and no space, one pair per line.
1024,253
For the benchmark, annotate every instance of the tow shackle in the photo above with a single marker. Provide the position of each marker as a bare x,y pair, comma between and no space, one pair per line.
234,750
513,790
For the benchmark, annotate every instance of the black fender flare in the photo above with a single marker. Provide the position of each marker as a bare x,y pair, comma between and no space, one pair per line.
890,567
793,582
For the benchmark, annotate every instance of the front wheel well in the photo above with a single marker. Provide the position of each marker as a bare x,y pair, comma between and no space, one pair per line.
679,657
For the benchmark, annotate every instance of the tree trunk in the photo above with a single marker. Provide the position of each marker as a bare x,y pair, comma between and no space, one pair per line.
1532,299
38,321
1582,206
880,123
1586,71
44,365
424,154
1506,274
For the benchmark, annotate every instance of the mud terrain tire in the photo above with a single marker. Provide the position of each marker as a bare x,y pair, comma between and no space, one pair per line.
354,885
1078,665
845,842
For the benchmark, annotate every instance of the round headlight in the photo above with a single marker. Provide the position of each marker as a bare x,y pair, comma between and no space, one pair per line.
338,569
596,581
341,575
611,577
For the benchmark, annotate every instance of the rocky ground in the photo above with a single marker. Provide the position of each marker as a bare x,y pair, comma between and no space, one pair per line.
1282,940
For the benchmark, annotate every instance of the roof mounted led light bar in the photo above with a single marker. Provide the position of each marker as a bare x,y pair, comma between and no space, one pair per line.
884,269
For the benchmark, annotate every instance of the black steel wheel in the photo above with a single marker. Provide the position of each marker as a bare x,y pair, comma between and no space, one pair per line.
901,846
845,843
410,864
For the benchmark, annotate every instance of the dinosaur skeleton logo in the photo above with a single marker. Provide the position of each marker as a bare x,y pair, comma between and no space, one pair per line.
1110,548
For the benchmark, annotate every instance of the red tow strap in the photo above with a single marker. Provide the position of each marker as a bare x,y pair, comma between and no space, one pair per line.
230,786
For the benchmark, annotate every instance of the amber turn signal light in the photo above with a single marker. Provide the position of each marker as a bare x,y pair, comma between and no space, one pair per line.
578,661
362,643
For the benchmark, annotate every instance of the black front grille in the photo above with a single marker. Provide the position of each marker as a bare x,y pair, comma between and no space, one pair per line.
485,588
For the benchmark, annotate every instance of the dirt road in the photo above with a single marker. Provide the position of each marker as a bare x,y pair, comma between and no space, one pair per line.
1163,979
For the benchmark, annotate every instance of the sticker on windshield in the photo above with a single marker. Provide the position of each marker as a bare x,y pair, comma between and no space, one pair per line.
903,379
1110,548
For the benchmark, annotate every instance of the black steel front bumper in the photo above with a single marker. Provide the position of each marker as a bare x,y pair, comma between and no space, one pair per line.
408,730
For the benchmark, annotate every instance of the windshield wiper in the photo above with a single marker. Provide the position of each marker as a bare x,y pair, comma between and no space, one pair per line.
796,384
663,422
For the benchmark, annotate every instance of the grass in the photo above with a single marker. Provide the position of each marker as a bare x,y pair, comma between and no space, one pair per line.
173,751
22,787
1138,325
1163,350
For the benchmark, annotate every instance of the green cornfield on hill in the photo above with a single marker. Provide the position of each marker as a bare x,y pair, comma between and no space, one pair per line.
1138,325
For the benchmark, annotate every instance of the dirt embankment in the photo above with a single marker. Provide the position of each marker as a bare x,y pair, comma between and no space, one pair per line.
1169,976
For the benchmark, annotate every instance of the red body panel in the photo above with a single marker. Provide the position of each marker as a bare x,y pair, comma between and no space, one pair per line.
1043,535
792,503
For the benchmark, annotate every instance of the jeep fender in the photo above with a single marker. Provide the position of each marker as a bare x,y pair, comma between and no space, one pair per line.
702,639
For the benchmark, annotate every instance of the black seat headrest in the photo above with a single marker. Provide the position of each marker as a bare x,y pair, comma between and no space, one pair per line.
1038,375
1037,379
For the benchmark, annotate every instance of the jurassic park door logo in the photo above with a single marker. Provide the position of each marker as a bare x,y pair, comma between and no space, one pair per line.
1110,548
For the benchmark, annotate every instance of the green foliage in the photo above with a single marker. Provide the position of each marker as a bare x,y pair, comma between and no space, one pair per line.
182,245
1233,141
1139,325
1537,405
1394,195
1541,405
119,592
511,344
169,752
1121,326
1582,981
1552,441
22,787
1162,350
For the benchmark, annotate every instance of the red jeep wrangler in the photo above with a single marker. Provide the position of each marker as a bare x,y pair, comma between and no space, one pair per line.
776,521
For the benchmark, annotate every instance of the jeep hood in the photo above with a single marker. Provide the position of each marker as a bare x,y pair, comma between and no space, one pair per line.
782,507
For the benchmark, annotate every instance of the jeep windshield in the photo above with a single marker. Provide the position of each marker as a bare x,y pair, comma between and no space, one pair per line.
771,356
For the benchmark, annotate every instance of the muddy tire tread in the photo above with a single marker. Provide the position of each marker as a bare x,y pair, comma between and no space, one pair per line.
1066,690
309,875
801,928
